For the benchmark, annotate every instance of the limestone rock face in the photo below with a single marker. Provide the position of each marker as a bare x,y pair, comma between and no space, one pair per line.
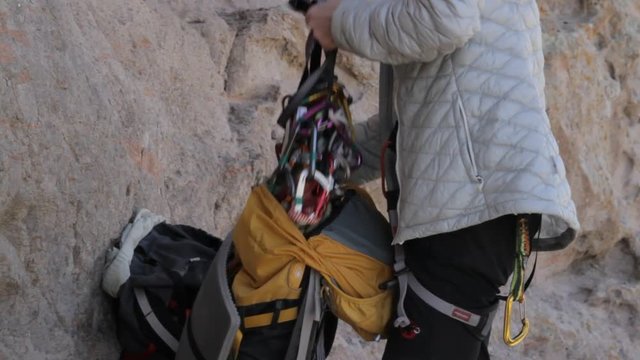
106,106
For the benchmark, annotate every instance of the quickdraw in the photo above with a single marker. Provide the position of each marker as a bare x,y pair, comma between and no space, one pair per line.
516,292
316,154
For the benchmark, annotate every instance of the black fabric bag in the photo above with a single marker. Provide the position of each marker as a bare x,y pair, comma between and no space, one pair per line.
167,269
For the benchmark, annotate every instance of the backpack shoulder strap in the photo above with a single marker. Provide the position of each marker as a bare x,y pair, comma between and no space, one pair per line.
152,319
307,330
214,320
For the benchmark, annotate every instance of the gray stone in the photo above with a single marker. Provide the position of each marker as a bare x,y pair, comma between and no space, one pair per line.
107,106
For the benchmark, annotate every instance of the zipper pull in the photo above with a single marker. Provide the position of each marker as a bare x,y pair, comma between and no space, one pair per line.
480,181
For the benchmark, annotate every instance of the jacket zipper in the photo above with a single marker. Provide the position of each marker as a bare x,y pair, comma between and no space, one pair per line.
470,152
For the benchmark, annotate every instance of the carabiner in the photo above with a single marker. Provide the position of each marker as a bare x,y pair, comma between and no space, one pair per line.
282,185
314,150
315,109
506,335
340,169
296,211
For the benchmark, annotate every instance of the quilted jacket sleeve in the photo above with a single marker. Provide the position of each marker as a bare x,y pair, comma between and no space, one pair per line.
404,31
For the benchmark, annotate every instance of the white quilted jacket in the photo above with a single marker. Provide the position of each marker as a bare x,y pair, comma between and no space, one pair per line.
474,140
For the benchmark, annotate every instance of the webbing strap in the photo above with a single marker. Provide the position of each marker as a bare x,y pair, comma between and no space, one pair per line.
319,346
529,279
406,279
523,249
442,306
193,344
324,72
401,271
311,313
153,321
266,319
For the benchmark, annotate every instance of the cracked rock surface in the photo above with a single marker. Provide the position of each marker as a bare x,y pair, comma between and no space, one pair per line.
107,106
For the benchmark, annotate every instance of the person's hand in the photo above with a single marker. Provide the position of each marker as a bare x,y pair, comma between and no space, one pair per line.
318,18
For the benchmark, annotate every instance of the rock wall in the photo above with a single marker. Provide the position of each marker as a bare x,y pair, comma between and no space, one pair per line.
106,106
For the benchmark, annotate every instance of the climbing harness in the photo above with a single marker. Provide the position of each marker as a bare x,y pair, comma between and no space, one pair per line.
480,320
316,154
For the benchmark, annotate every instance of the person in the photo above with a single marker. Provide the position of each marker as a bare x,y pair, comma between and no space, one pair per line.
464,81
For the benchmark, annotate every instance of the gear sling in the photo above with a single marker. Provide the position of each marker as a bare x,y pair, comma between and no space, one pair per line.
305,256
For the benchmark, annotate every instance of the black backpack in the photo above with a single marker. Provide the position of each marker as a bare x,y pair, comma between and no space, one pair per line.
166,271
